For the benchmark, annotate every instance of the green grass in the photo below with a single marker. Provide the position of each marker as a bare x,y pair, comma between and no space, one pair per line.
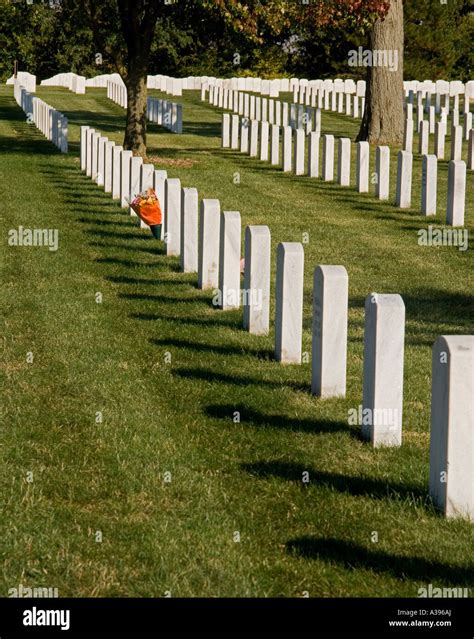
177,417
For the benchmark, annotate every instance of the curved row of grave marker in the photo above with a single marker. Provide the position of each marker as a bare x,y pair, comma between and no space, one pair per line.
52,123
301,155
163,112
208,243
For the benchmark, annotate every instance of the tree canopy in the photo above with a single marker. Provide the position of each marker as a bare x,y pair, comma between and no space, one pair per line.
228,37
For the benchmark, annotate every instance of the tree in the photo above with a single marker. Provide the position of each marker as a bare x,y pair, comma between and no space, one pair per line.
383,120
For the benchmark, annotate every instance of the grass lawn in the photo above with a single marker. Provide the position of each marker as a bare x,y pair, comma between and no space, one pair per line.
154,496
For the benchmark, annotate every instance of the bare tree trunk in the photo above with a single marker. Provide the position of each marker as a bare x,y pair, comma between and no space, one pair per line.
135,128
383,120
138,19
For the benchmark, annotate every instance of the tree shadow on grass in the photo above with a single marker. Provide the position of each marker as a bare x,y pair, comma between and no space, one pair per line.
251,417
355,557
238,380
352,485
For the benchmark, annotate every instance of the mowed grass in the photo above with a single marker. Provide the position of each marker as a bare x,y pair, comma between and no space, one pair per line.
186,499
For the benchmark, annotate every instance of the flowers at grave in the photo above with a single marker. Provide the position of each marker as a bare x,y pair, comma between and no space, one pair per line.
147,207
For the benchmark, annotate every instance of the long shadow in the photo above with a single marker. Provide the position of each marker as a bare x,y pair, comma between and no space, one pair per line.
129,263
121,221
203,129
171,299
432,306
214,320
238,380
211,348
355,557
252,417
30,140
100,120
352,485
123,235
150,250
139,281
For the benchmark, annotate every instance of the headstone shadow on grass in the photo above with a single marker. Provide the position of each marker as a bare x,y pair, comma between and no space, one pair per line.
225,349
353,557
252,417
358,486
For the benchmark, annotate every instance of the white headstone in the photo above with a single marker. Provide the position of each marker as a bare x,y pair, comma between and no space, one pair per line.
440,138
470,151
329,353
275,145
257,280
452,442
189,230
408,136
286,148
225,130
209,239
235,132
429,183
382,170
264,135
116,163
244,134
344,162
456,193
253,138
173,216
362,178
289,302
229,260
328,158
404,179
313,154
125,160
135,167
424,139
456,142
298,167
384,338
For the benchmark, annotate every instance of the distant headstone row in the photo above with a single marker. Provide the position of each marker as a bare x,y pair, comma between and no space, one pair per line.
208,243
72,81
26,80
162,112
301,153
52,123
165,113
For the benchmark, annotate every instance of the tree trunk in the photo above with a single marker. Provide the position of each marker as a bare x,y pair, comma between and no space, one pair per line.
383,120
135,128
138,19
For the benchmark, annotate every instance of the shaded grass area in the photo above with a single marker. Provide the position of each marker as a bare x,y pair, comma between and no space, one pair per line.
153,419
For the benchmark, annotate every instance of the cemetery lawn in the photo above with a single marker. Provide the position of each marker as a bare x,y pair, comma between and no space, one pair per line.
124,472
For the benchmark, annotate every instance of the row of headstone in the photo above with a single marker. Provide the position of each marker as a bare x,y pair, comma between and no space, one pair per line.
272,111
100,81
25,79
72,81
428,93
117,92
351,103
439,129
208,243
301,154
52,123
166,114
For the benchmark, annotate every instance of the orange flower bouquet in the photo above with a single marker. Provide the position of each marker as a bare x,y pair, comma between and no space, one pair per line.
148,209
